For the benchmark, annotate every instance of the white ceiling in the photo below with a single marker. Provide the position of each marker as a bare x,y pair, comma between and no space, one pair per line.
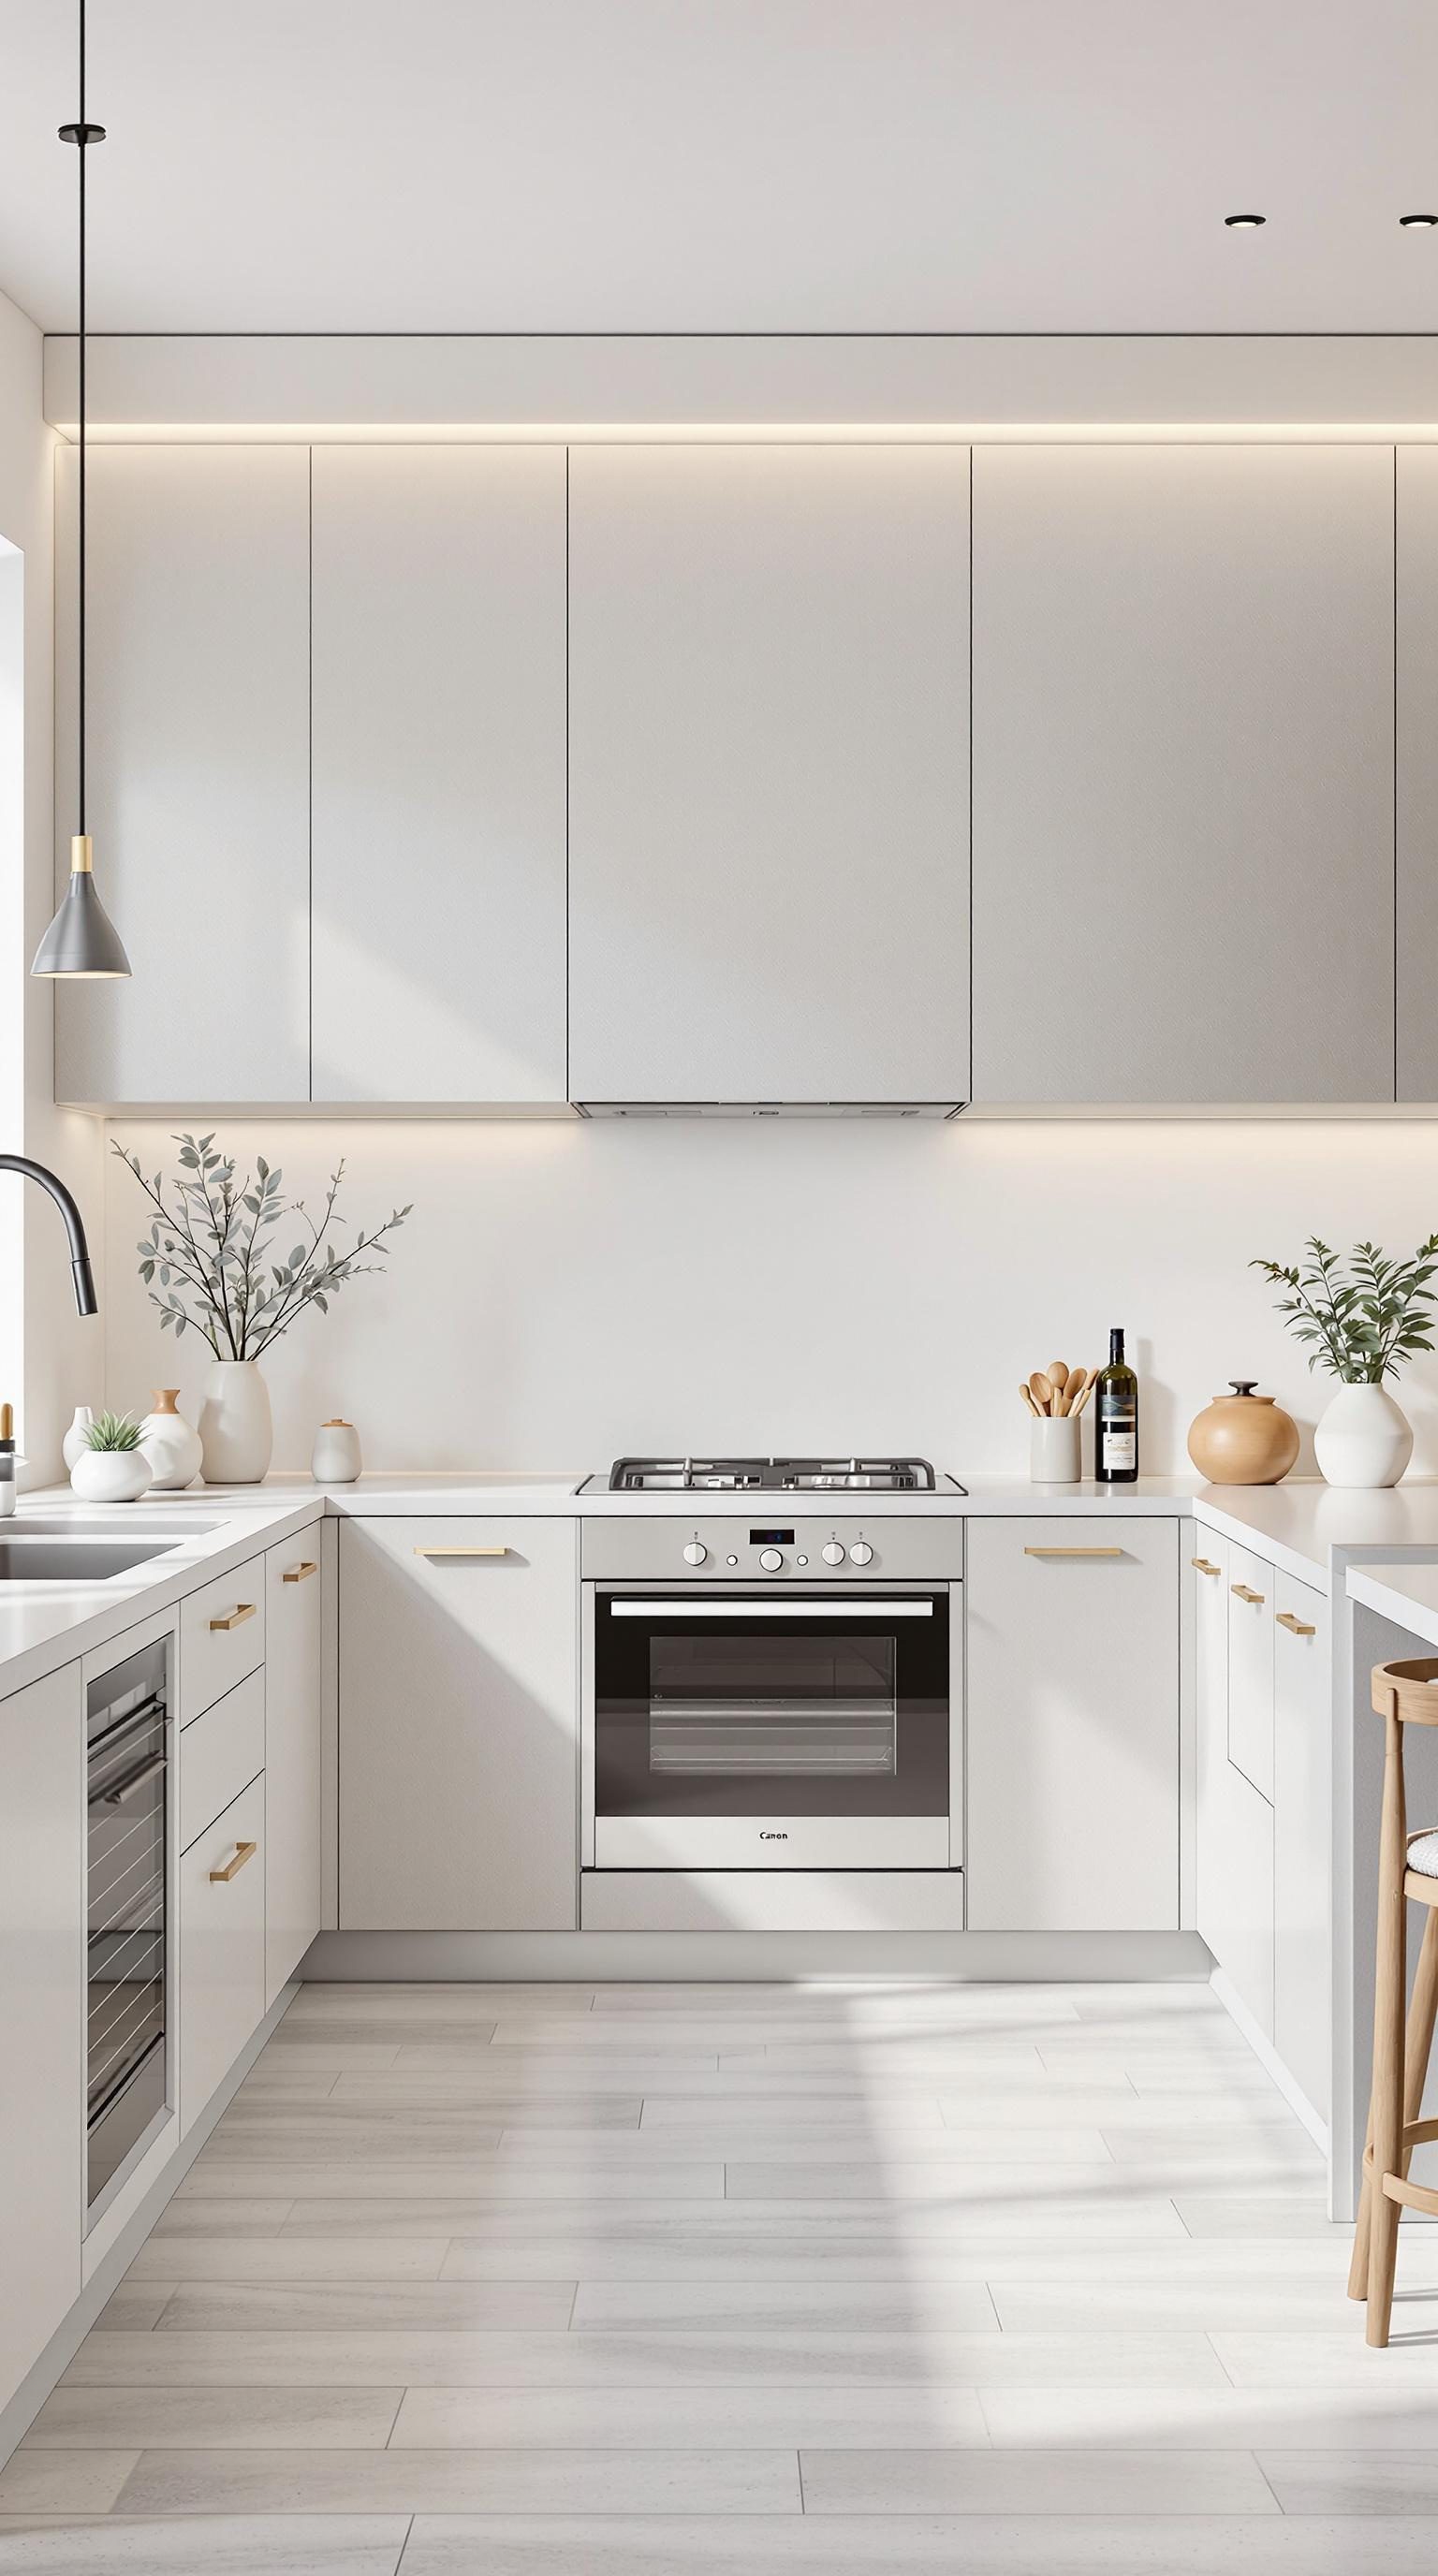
727,165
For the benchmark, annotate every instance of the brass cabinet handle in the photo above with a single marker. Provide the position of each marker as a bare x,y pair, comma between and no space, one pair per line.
1296,1627
1202,1566
299,1573
1241,1592
234,1618
232,1868
1073,1551
464,1551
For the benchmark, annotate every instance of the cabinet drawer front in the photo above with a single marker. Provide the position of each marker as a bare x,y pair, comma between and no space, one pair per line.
1252,1603
459,1701
220,1755
221,1882
222,1637
294,1603
1072,1724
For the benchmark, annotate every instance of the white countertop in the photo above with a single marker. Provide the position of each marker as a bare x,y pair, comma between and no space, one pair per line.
1297,1525
1405,1592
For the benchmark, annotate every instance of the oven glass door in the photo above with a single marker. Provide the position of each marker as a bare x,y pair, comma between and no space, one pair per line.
735,1705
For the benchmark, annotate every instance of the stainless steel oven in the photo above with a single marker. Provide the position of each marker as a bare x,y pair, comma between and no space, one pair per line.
772,1694
128,2017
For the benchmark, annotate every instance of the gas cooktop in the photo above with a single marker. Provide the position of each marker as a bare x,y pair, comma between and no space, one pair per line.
775,1475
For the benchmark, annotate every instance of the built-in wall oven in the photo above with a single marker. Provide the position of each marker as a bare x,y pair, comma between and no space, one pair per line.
772,1693
128,2016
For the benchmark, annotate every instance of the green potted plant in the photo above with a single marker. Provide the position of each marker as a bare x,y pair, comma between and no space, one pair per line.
1360,1316
112,1467
207,1262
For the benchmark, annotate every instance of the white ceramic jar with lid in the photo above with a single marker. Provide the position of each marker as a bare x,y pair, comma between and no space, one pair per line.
336,1457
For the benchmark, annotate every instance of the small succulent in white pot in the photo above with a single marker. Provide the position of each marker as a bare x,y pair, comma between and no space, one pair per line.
112,1467
1360,1318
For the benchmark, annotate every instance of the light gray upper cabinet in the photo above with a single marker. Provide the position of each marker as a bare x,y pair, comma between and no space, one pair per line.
198,654
1417,736
1183,774
439,759
768,773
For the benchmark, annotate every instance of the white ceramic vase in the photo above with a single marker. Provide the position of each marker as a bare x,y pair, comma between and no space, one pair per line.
75,1444
111,1475
172,1445
1362,1438
236,1433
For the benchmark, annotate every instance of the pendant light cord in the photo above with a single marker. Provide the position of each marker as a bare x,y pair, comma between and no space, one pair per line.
83,138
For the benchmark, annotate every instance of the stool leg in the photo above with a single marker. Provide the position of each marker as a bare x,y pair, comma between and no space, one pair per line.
1417,2049
1422,2014
1388,2017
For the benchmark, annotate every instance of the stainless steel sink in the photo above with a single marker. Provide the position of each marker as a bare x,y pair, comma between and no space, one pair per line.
74,1560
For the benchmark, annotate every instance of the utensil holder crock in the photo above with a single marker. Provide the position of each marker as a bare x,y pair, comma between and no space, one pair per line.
1054,1451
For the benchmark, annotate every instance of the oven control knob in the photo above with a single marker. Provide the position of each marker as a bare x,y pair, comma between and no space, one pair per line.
770,1559
696,1553
861,1553
833,1553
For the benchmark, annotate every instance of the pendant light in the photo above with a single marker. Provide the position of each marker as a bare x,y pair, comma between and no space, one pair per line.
82,942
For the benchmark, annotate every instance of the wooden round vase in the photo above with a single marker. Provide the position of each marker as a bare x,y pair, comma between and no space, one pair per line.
1243,1438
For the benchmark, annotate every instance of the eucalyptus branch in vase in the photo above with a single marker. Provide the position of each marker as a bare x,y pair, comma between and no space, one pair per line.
207,1264
1360,1317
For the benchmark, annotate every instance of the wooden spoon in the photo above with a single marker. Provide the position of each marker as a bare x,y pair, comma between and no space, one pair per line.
1028,1399
1077,1381
1083,1399
1040,1390
1057,1375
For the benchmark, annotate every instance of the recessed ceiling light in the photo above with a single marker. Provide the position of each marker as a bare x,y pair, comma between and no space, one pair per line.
1244,223
1407,220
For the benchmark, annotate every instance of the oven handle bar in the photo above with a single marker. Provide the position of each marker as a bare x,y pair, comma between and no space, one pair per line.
626,1607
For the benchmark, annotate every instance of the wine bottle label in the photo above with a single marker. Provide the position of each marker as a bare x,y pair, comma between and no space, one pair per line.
1120,1448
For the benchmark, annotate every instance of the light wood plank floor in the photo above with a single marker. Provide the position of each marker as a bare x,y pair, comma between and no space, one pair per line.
561,2281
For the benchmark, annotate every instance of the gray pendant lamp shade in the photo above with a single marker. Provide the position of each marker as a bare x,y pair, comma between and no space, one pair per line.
82,941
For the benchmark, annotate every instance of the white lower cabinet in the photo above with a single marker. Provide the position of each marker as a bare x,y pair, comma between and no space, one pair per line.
1072,1724
1235,1878
221,1891
42,1991
458,1736
1302,1842
1250,1667
293,1623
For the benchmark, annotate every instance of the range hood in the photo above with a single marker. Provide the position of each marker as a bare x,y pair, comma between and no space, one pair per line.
768,1108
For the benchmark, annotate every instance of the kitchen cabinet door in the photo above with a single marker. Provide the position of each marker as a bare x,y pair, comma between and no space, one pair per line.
1302,1843
1416,646
1072,1725
220,1887
1183,740
293,1614
1251,1605
1235,1884
439,781
769,773
459,1735
198,720
42,1991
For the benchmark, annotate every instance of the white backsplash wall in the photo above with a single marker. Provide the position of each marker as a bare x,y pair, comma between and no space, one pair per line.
563,1293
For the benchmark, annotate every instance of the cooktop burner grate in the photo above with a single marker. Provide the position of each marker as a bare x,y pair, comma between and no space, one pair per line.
761,1475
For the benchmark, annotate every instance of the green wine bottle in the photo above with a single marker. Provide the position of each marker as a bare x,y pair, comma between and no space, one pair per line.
1115,1423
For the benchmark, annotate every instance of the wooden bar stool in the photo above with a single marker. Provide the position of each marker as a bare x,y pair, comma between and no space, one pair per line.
1404,1694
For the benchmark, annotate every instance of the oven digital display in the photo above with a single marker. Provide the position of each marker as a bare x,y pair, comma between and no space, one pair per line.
771,1538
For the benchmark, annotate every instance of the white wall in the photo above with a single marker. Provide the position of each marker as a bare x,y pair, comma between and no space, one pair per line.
57,1346
566,1292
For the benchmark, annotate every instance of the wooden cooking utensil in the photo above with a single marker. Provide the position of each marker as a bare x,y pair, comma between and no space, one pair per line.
1058,1377
1083,1399
1028,1399
1040,1390
1077,1381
